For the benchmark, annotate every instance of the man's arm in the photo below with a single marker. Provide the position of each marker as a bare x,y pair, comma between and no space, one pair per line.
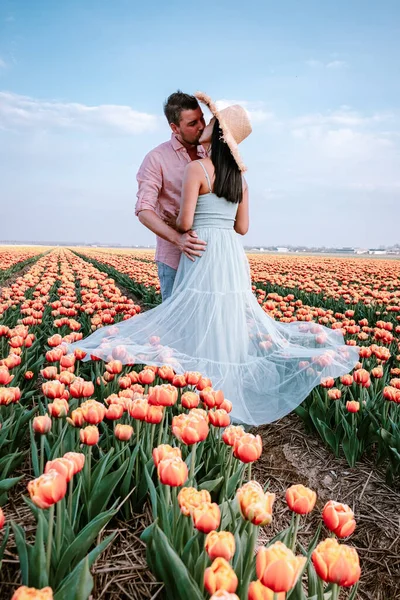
149,179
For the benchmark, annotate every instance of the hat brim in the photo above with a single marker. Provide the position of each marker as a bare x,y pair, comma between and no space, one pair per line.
226,134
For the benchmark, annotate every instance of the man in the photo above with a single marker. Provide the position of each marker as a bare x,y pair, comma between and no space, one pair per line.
160,179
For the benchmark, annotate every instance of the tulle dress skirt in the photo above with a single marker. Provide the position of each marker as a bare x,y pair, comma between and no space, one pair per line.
213,323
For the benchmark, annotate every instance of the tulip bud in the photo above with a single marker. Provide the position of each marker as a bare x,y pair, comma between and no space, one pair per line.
172,471
278,568
220,543
300,499
189,498
206,517
248,447
42,424
78,458
47,489
89,435
165,451
220,576
28,593
123,432
339,518
352,406
258,591
2,518
336,563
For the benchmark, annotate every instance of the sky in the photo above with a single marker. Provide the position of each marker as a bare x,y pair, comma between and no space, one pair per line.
82,84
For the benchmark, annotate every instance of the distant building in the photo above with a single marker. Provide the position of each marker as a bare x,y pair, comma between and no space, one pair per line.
376,251
282,249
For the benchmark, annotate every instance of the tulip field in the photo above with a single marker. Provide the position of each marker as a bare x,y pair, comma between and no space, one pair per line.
88,446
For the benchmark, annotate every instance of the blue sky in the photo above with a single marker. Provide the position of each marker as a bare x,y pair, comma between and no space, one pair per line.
82,84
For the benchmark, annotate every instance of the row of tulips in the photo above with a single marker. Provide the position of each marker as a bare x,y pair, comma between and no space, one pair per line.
194,449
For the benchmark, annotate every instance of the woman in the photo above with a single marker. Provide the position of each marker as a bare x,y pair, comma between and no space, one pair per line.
212,323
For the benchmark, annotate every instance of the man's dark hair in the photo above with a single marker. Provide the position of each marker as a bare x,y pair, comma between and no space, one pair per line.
176,103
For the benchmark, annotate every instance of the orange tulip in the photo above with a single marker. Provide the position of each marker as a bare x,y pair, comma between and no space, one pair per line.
47,489
327,382
362,377
189,428
2,518
114,412
93,411
146,377
66,377
346,379
248,447
179,381
123,432
224,595
165,451
220,543
334,394
49,372
154,414
67,361
53,389
42,424
231,433
29,375
220,576
163,395
166,373
114,367
258,591
377,372
27,593
336,563
203,383
81,388
64,466
352,406
206,517
58,409
300,499
172,471
192,377
6,396
255,505
76,418
219,418
226,405
89,435
138,408
278,568
189,498
78,458
339,518
190,400
54,340
212,398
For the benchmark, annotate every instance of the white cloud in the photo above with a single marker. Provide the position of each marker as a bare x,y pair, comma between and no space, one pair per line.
24,112
256,109
336,64
319,64
3,64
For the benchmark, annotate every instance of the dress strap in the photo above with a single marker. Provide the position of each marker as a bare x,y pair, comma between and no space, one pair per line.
207,176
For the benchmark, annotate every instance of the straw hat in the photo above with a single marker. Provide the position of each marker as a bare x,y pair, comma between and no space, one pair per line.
234,122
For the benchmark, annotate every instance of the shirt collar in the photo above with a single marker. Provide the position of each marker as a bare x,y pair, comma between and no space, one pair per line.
178,146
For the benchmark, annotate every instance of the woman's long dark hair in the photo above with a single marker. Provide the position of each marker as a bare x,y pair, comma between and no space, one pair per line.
228,178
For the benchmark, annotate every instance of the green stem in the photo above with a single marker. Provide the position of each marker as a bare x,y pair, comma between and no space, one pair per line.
41,454
249,472
294,532
161,429
192,463
320,589
58,529
153,430
70,496
167,490
335,592
49,541
89,468
251,546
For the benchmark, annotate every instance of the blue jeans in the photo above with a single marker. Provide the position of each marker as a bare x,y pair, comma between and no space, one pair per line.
166,276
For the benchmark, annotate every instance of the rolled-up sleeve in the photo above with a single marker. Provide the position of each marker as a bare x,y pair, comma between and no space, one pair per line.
149,178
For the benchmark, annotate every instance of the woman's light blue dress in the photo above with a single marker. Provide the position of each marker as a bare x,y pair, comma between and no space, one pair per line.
213,323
